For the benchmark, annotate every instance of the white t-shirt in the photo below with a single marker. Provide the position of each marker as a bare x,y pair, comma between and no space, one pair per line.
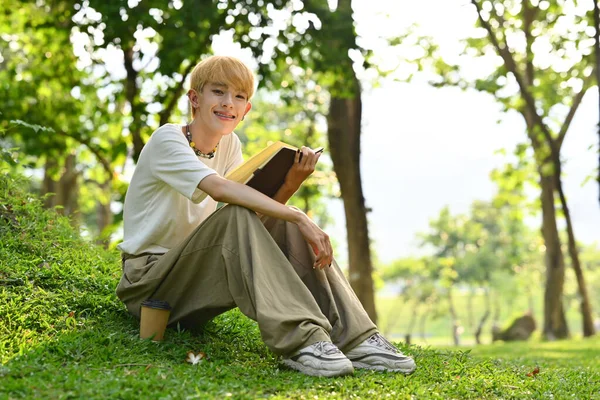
161,207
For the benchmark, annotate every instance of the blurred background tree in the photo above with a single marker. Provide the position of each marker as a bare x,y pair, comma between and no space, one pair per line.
544,66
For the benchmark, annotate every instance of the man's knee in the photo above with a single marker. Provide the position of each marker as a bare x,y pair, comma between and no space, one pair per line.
236,212
234,208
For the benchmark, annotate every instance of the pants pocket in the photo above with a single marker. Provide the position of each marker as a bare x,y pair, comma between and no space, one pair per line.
135,269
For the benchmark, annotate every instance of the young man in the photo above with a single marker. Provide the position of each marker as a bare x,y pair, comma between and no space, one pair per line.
277,268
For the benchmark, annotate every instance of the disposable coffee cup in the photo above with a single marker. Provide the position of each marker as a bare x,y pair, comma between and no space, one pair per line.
153,319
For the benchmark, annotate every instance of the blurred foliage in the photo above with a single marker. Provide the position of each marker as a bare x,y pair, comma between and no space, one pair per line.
552,41
104,75
491,248
539,49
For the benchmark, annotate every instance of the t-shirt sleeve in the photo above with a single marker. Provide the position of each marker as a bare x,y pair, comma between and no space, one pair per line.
235,157
174,163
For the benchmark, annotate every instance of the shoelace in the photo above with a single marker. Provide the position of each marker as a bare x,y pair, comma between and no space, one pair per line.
380,341
326,348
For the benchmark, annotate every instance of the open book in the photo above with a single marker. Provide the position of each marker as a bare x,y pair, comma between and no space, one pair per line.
266,170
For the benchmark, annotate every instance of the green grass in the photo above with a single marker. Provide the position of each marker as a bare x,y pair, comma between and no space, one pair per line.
106,360
63,334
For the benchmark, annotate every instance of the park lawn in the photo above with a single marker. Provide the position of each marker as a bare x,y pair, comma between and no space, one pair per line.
105,359
63,334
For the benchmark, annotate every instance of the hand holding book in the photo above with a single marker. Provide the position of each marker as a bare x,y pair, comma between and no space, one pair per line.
267,170
304,165
316,151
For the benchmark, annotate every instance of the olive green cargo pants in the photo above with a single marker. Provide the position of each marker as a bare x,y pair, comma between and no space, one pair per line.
264,267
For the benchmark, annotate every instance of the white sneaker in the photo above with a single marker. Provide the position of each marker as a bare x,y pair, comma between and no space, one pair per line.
320,359
379,354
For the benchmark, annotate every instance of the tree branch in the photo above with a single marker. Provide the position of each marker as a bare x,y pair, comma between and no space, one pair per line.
511,65
166,113
571,114
597,55
97,152
528,17
131,94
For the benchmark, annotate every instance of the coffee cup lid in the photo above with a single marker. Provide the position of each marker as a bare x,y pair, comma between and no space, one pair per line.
158,304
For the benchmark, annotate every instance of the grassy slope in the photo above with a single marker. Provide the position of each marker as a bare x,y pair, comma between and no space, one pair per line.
63,334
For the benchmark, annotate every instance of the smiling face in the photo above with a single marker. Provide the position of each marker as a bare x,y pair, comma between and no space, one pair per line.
219,108
221,88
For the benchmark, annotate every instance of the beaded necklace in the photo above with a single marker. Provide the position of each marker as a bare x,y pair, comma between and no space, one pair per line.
188,135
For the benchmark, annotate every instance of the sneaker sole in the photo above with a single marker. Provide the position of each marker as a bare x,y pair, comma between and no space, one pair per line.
307,370
406,371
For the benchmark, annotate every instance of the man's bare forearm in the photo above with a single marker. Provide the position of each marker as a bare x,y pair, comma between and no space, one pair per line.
284,194
231,192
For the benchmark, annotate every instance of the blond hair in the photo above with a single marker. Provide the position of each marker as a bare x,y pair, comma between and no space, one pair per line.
225,70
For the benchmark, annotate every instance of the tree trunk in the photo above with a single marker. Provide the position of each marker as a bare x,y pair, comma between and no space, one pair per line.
470,316
412,322
484,318
555,326
305,195
104,215
422,323
597,40
65,191
68,192
344,126
455,334
585,306
137,109
497,310
49,184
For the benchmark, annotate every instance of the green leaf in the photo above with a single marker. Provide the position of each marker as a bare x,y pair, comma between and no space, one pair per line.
8,157
35,127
